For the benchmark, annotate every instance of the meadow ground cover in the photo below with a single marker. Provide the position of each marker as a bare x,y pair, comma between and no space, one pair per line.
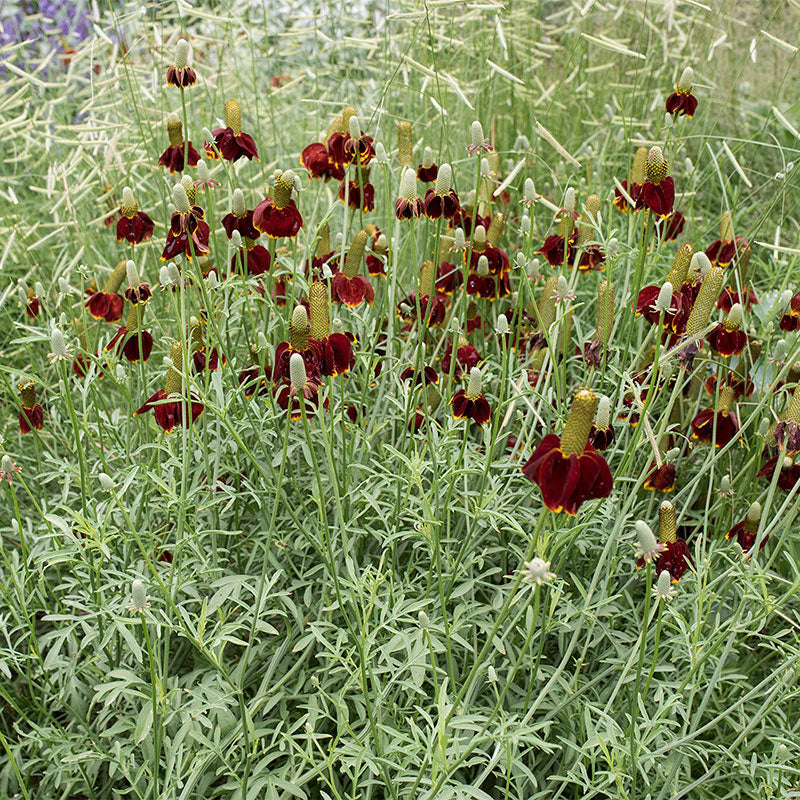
399,400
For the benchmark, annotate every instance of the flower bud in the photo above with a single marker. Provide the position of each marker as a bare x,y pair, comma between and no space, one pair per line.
700,264
639,164
424,622
355,255
502,325
476,134
668,119
174,274
525,224
58,347
605,312
297,372
405,143
655,168
132,273
734,318
529,191
181,199
579,423
120,374
664,299
380,154
613,248
203,175
486,170
569,199
483,266
444,180
491,675
408,184
239,207
706,300
182,54
687,79
667,524
562,288
459,241
139,601
106,482
164,279
354,127
299,329
474,385
680,265
603,416
645,537
663,589
427,157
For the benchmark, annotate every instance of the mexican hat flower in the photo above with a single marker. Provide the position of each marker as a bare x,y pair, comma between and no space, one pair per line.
408,205
746,531
567,469
108,303
335,353
658,190
133,226
348,286
230,142
31,414
131,340
675,557
180,153
633,187
682,101
278,215
170,406
470,403
727,338
441,200
180,74
718,426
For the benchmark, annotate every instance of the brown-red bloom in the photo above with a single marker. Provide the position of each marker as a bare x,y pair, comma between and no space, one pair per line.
567,469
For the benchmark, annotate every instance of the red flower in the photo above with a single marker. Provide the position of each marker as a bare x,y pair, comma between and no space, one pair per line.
722,252
33,306
187,235
726,341
601,438
466,356
790,320
356,199
567,469
169,405
730,296
470,403
231,143
427,375
360,150
278,215
789,465
634,191
660,479
427,174
432,309
353,291
705,423
316,160
242,223
134,345
682,101
31,414
287,395
168,410
180,74
448,278
173,158
105,305
671,227
676,559
133,225
658,190
746,531
407,208
659,197
436,206
299,342
202,360
335,354
256,258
